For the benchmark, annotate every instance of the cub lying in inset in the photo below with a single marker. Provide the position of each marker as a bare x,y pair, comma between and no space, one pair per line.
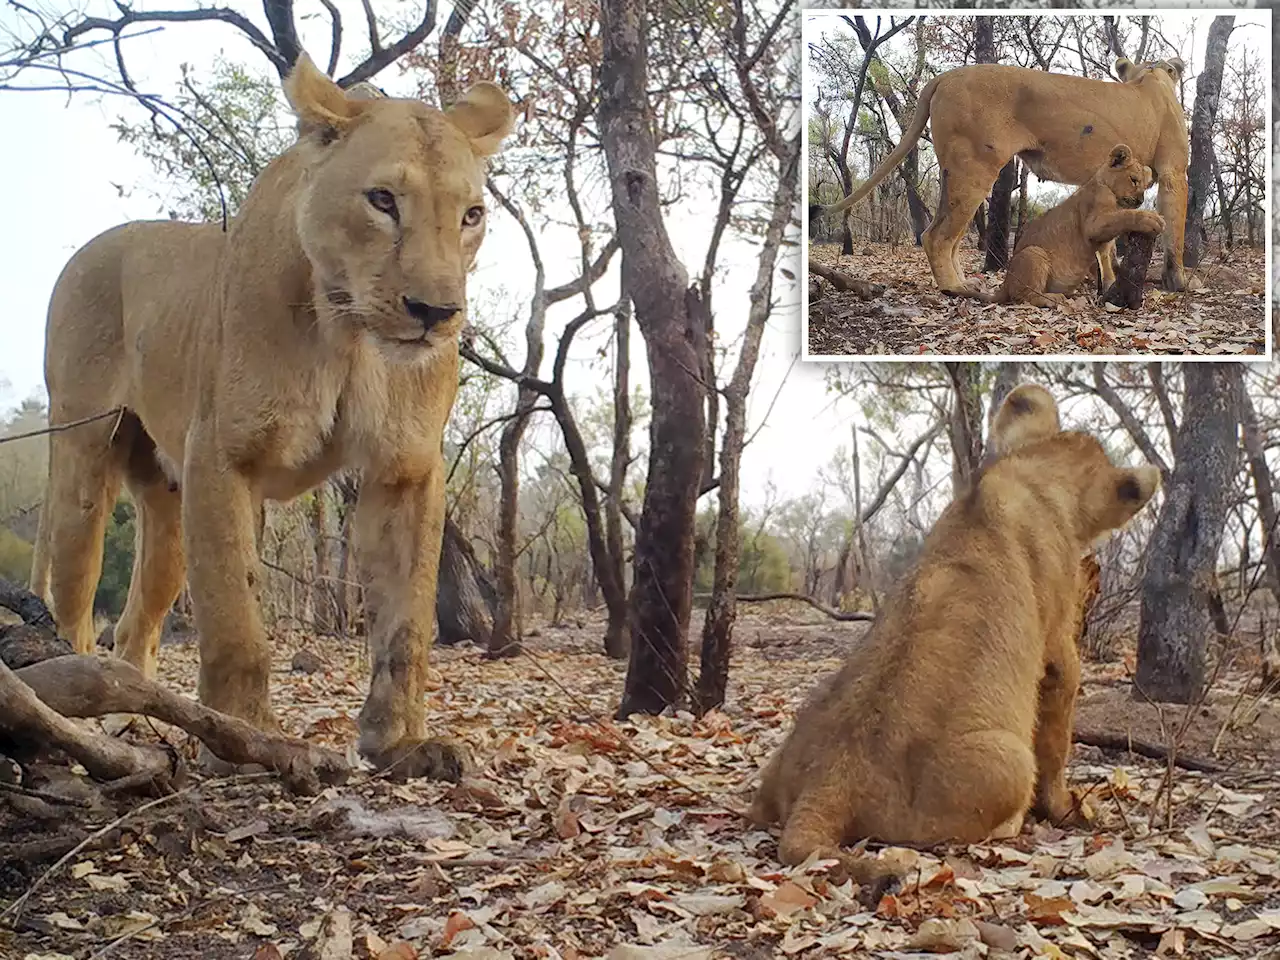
1057,252
952,717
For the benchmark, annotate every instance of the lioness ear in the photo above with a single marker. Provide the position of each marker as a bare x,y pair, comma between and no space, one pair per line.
318,102
1120,155
1174,66
1124,66
484,114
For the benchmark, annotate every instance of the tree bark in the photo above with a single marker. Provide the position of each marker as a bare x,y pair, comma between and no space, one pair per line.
717,631
670,316
1264,489
965,423
1183,552
617,642
999,211
1200,169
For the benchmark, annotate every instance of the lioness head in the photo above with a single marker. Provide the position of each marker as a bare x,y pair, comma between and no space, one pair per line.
392,213
1125,177
1161,71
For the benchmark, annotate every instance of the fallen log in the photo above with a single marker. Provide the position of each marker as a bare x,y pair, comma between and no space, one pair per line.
50,687
88,686
862,289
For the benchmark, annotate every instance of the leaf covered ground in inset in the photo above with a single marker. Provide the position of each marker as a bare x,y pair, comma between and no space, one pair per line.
913,318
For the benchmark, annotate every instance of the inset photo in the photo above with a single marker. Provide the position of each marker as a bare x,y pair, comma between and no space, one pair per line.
1062,183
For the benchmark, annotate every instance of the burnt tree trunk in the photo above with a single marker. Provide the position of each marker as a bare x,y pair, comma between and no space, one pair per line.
671,319
1131,274
467,596
1023,172
717,630
1183,552
1200,169
999,210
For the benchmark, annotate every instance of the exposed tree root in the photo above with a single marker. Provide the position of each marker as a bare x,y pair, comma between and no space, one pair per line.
78,686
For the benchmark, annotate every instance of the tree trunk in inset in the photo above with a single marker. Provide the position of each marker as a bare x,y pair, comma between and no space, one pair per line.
671,319
717,631
1182,554
998,215
1200,169
1131,274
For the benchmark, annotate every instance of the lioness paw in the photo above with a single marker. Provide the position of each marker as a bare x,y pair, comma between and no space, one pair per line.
1153,222
412,759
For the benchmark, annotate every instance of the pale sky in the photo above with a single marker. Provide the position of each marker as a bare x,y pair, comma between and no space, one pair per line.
65,173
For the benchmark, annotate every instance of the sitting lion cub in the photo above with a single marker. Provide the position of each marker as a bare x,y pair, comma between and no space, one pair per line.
1057,251
953,716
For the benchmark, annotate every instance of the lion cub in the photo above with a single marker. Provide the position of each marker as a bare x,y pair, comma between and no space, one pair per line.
1057,251
953,716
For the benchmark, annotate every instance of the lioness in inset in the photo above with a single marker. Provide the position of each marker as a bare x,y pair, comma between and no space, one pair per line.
952,717
1062,127
1057,251
319,333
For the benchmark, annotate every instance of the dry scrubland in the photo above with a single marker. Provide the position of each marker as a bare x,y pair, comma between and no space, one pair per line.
567,843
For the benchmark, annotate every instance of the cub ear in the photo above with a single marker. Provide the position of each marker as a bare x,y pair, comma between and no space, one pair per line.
1174,67
319,104
1120,155
484,114
1124,67
1028,414
1136,486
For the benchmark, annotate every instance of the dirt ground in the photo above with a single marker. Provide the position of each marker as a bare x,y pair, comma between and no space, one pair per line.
577,837
1226,317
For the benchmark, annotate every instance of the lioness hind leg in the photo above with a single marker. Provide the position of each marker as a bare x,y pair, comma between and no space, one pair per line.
159,565
971,787
813,828
966,182
85,472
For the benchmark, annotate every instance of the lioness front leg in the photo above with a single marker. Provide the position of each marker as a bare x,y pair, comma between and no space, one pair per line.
399,527
219,515
1054,725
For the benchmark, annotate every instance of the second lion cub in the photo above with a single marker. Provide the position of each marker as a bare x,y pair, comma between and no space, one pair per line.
952,717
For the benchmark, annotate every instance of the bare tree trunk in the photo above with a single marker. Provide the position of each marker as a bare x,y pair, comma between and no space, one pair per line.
1200,169
671,319
717,631
323,596
1182,555
1131,275
966,422
617,642
1023,171
468,595
1264,489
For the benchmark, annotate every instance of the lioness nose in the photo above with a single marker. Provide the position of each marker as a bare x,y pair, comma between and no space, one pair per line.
428,314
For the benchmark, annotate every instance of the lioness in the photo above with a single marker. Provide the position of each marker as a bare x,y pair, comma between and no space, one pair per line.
1057,251
952,717
1062,127
319,333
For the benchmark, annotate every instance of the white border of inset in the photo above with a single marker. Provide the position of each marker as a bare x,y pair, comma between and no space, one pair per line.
807,16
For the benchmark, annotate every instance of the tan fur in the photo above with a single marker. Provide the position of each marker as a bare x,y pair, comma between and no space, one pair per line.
1057,251
1063,127
952,717
319,333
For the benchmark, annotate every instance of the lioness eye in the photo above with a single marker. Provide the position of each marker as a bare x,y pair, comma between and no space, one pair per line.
383,201
473,216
